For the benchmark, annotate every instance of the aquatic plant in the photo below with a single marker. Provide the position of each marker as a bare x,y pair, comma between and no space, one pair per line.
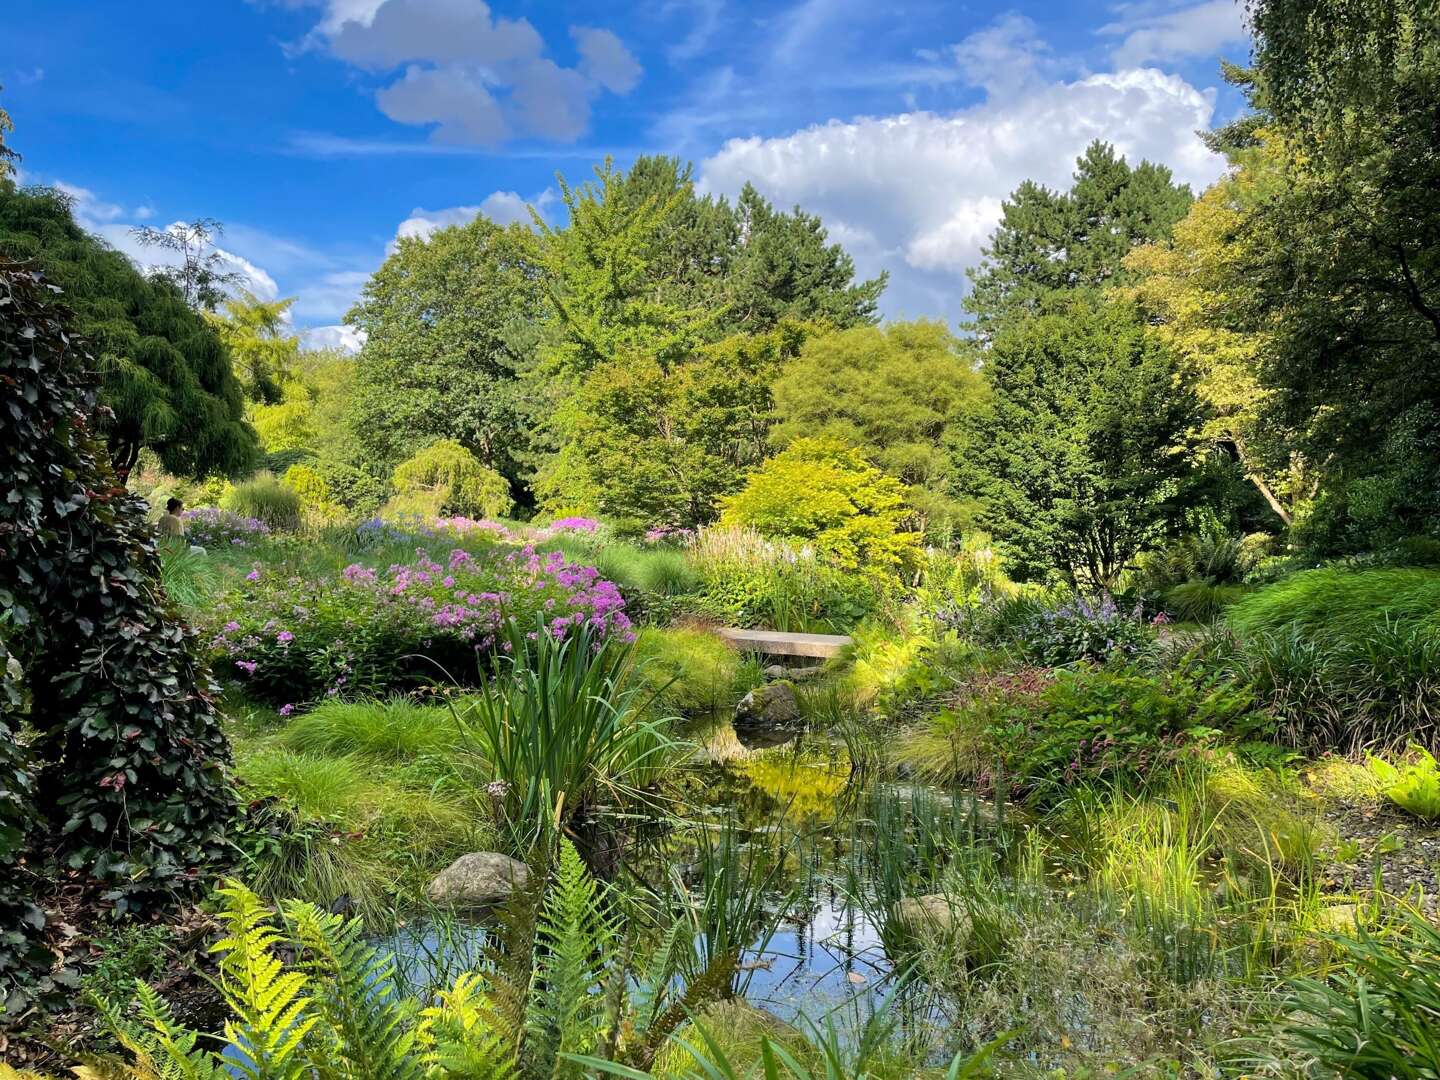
556,725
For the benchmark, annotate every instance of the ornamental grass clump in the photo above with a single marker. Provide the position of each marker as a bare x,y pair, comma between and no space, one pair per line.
366,631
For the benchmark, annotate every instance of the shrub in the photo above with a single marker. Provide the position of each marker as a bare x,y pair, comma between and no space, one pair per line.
1414,785
1055,630
1043,735
210,527
128,755
1209,555
825,493
366,632
265,498
446,479
316,499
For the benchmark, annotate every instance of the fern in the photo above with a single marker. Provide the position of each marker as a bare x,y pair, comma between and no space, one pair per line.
572,938
462,1035
360,1031
270,1014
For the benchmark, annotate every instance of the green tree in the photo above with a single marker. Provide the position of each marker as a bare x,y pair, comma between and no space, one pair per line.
165,374
8,156
1050,243
445,478
1083,453
1345,267
1192,289
899,394
262,349
451,321
202,273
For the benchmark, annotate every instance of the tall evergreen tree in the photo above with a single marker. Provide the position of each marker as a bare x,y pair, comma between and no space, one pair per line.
164,373
1082,457
1049,243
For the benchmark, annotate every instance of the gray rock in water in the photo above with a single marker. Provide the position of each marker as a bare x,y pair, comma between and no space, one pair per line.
478,879
794,674
932,914
768,706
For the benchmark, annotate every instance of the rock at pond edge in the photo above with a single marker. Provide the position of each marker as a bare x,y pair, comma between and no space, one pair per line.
771,705
478,879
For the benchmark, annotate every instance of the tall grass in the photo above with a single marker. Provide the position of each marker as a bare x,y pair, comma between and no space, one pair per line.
265,498
394,729
191,578
558,730
690,671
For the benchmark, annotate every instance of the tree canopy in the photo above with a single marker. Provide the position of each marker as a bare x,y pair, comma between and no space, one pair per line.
165,375
899,393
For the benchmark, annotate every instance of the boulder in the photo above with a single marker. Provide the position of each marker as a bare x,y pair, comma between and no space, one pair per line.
769,706
794,674
478,879
930,915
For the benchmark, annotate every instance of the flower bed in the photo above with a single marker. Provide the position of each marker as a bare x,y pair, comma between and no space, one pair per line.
369,631
210,527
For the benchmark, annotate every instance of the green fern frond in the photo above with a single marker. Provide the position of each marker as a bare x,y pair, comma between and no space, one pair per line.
361,1025
270,1013
460,1037
572,939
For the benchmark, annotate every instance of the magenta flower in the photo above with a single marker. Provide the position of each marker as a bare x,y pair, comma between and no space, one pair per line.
247,666
287,710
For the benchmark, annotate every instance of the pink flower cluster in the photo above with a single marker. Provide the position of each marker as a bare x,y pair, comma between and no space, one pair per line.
573,524
464,526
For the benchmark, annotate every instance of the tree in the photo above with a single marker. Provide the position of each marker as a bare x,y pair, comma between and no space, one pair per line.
782,268
201,275
8,156
614,344
165,375
128,754
828,494
446,479
1345,266
451,322
898,394
1050,243
262,350
1191,288
1083,453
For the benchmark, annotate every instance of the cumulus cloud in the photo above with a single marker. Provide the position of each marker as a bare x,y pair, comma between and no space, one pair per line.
919,193
347,339
1199,30
501,207
1004,56
472,77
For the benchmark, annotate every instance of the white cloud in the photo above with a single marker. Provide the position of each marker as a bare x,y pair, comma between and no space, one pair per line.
472,77
457,102
919,193
345,338
605,59
501,207
1004,56
1200,30
89,209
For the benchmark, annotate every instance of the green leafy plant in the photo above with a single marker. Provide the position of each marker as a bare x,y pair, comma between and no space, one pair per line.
557,724
128,753
266,499
826,493
1377,1016
446,479
1413,785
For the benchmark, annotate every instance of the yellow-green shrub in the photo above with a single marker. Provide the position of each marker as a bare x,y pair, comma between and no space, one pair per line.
827,494
446,479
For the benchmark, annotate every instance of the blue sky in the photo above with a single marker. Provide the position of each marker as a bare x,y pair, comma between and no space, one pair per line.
319,131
